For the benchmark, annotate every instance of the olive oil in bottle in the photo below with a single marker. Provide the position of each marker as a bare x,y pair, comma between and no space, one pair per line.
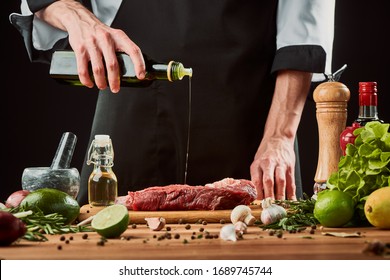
63,68
102,183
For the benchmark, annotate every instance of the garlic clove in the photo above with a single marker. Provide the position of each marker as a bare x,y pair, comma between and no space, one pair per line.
228,232
155,223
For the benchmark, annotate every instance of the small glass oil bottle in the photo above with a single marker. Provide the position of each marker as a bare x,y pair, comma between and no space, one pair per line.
102,183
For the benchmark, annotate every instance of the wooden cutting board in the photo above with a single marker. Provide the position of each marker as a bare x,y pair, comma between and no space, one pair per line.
191,216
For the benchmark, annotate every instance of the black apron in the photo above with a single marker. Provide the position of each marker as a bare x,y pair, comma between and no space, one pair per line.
230,46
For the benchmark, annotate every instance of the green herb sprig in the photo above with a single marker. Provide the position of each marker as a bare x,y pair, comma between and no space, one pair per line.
38,224
299,215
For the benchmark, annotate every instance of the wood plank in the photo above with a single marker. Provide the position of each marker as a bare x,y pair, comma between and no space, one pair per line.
173,217
142,243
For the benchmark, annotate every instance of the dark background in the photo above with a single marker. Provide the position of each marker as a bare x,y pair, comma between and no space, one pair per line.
37,110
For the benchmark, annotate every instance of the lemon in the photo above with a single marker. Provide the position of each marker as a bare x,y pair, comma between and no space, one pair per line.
112,221
377,208
53,201
334,208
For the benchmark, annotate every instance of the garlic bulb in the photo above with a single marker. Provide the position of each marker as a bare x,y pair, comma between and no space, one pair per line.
271,212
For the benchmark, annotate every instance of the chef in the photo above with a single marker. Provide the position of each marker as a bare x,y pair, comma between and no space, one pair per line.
253,64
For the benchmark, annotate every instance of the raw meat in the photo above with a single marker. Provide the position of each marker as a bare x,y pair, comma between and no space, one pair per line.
224,194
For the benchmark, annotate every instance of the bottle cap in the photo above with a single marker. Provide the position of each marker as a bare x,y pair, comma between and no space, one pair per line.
367,94
177,71
367,87
102,139
186,72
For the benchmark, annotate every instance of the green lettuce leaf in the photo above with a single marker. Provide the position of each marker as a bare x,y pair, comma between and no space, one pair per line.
366,165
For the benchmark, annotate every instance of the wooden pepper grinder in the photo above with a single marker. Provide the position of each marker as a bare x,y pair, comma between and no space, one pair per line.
331,99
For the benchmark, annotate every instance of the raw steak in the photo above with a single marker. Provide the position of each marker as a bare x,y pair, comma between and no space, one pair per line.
224,194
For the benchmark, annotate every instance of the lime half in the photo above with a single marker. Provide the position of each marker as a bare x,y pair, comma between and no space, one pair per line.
111,221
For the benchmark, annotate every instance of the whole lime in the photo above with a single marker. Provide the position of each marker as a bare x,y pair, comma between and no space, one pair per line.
334,208
377,208
112,221
53,201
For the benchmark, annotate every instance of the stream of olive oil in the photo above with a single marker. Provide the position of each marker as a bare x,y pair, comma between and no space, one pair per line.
189,129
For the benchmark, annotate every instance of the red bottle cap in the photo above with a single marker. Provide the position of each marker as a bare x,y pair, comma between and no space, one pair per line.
367,94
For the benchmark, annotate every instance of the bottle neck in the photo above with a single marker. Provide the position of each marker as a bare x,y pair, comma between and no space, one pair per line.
101,152
368,101
368,112
104,162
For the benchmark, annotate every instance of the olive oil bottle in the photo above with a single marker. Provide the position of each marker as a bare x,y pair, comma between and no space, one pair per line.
63,68
102,183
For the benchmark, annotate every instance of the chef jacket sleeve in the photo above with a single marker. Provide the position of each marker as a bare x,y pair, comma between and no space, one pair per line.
36,5
305,31
41,38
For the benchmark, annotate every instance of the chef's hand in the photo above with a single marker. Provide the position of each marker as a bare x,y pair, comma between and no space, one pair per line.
273,168
94,42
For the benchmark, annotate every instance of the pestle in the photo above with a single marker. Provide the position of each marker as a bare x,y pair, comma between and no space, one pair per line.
59,175
64,152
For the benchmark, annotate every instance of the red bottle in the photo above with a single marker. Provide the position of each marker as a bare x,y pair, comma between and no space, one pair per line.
368,101
368,112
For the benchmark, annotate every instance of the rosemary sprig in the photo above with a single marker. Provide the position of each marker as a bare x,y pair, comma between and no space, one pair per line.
38,224
299,215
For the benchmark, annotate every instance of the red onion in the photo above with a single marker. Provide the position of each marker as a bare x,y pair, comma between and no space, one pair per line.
16,198
11,228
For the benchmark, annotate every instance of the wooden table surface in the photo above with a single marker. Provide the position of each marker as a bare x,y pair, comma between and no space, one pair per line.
142,243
